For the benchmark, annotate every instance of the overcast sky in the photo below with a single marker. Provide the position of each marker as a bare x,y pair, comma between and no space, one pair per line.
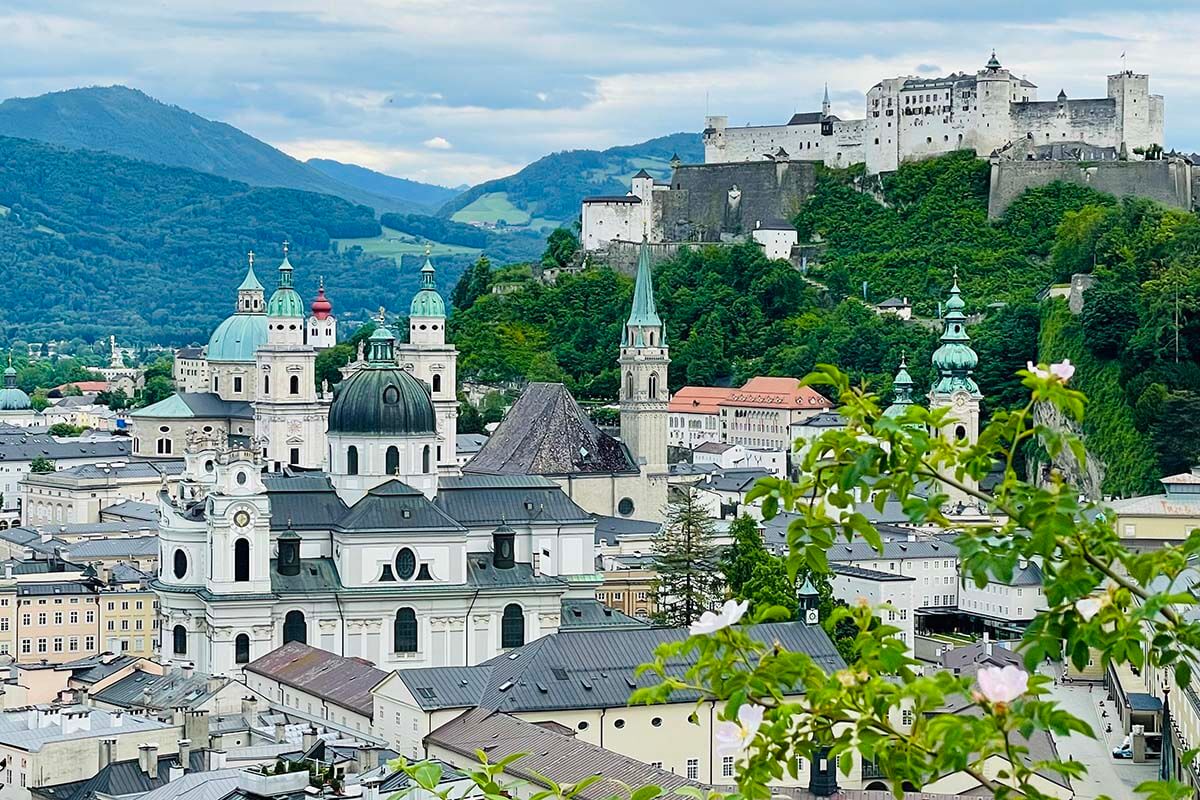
458,92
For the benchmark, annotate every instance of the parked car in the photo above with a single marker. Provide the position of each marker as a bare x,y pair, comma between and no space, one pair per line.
1125,750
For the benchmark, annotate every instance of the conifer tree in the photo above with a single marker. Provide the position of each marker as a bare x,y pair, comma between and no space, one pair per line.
686,559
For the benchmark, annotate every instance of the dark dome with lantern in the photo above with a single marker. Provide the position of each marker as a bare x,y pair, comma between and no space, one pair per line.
381,399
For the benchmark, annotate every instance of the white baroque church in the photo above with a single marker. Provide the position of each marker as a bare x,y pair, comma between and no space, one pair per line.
371,544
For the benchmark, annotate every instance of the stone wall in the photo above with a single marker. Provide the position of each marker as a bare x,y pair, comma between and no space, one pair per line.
1168,181
712,202
623,256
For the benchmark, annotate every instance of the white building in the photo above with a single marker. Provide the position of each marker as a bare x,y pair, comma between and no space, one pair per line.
1005,602
908,118
898,592
777,238
736,456
761,414
931,562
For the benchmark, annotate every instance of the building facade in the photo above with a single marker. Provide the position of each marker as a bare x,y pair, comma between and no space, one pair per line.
908,118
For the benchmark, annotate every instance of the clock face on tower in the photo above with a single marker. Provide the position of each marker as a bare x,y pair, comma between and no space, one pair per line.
241,519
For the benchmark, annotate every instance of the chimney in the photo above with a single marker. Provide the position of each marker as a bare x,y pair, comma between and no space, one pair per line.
185,753
310,737
367,758
215,682
106,752
152,760
8,575
280,732
117,718
250,710
174,773
144,758
187,669
82,697
196,728
216,759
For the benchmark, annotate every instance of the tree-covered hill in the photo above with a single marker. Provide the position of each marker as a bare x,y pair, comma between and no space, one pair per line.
552,187
127,122
93,244
427,196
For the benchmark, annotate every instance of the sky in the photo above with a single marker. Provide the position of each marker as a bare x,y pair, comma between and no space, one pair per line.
464,91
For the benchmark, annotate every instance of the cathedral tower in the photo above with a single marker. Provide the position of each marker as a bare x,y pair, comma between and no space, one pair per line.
644,359
953,387
322,325
902,386
430,359
288,413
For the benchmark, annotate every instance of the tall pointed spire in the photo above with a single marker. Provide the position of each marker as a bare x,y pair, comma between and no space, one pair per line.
250,292
902,386
825,105
644,313
427,302
285,302
954,359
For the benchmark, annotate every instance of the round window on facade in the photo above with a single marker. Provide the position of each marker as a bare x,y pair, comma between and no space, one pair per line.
406,564
209,466
163,429
625,506
242,478
656,722
619,724
180,566
583,726
391,395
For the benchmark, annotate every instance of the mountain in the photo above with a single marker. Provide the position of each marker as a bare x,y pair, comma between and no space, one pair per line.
548,191
429,195
127,122
93,243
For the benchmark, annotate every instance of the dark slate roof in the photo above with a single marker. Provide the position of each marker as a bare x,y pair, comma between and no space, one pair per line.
587,614
547,433
122,778
39,446
776,224
144,690
132,510
1028,575
775,533
30,539
316,575
129,469
209,405
861,550
491,499
851,571
469,442
613,198
396,506
811,118
346,682
481,574
120,547
127,573
894,302
825,419
643,174
191,351
733,480
610,529
446,687
549,754
56,588
714,447
1141,701
95,668
307,500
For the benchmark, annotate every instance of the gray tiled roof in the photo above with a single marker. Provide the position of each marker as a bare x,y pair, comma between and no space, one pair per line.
851,571
610,529
129,470
549,754
733,480
810,118
213,785
396,506
886,522
587,614
41,446
144,690
15,729
492,499
481,574
307,500
122,778
118,547
861,550
967,660
346,682
470,442
127,573
91,669
132,510
547,433
588,668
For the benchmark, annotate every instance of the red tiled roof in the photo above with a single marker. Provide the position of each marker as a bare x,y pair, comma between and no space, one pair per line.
698,399
87,387
787,393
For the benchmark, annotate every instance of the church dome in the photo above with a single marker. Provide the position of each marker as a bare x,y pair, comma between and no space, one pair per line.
12,398
285,302
427,302
321,308
381,399
238,338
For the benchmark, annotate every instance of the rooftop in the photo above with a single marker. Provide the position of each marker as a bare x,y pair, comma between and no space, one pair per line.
31,728
346,682
173,690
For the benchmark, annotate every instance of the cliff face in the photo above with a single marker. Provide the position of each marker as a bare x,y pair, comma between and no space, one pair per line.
1088,478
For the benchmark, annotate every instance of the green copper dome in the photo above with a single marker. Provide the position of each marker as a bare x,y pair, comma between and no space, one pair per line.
954,359
285,302
238,338
381,399
12,398
427,302
902,384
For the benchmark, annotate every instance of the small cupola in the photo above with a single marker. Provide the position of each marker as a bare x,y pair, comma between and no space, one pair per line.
289,552
503,547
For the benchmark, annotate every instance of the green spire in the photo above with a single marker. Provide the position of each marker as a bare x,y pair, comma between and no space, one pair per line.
644,314
250,282
381,345
285,302
10,374
903,385
427,302
954,359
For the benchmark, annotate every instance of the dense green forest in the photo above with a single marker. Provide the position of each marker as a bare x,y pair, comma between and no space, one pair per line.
731,313
554,185
92,244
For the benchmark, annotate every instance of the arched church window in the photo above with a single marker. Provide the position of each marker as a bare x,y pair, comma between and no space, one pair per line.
179,640
294,384
437,382
241,560
629,384
512,627
180,563
960,433
653,385
266,383
391,463
351,460
391,395
241,649
425,460
406,631
295,629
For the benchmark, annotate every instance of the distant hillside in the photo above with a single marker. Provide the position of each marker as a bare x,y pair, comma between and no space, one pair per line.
93,243
548,191
125,121
428,195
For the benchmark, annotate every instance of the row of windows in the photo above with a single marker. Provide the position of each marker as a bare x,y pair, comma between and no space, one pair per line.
391,460
72,644
73,617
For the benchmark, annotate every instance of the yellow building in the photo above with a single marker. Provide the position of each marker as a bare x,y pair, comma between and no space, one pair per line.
129,619
629,590
1149,520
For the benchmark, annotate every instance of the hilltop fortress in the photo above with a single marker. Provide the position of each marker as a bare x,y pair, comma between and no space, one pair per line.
754,178
909,118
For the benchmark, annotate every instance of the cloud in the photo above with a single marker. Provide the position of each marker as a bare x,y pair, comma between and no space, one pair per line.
507,81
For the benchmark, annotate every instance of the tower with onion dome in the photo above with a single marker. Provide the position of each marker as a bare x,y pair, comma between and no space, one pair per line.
322,324
434,362
954,387
289,413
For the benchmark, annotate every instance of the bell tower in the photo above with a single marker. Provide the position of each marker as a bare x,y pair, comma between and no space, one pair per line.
643,360
953,387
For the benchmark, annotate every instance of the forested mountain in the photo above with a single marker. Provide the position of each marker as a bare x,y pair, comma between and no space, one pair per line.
426,195
93,244
127,122
552,187
731,314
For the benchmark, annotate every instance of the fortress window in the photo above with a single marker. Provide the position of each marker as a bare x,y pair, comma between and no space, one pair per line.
179,640
266,384
437,382
241,649
237,384
294,456
294,384
425,459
